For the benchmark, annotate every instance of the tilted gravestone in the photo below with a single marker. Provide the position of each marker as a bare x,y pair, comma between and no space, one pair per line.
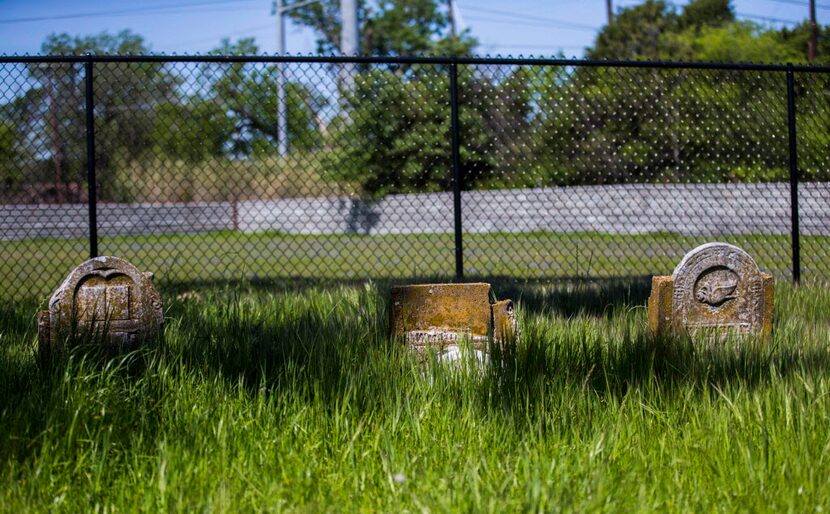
441,315
106,298
716,286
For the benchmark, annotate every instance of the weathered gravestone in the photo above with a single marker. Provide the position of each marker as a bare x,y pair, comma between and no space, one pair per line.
504,320
441,315
716,286
106,298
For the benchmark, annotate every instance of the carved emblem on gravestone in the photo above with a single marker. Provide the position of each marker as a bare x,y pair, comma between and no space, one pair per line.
440,315
716,286
104,297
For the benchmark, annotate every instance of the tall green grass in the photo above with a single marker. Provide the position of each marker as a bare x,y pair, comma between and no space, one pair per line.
297,400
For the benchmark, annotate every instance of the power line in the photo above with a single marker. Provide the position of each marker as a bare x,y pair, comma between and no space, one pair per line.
739,14
765,18
802,4
531,18
159,9
539,47
241,32
526,23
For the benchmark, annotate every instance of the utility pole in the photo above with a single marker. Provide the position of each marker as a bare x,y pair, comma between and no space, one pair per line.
348,41
348,34
812,46
609,11
451,15
282,122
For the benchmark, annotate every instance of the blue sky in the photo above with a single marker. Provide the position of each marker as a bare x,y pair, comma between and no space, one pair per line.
513,27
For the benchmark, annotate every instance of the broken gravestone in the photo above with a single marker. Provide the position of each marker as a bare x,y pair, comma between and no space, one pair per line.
441,315
716,286
106,298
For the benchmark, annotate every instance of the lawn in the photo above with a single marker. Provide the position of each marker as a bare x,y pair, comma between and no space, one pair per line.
33,268
262,397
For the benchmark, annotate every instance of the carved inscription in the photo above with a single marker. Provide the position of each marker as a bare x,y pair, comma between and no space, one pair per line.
718,285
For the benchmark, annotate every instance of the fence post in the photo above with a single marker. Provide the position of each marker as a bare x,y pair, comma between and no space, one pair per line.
92,197
456,172
796,244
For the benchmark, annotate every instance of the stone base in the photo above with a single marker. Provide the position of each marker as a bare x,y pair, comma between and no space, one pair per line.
441,315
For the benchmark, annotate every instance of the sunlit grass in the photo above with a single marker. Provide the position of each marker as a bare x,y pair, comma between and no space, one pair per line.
33,268
297,400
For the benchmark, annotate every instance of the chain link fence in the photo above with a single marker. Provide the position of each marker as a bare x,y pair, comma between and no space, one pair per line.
209,170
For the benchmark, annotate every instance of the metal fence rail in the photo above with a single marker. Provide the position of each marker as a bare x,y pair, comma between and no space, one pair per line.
213,169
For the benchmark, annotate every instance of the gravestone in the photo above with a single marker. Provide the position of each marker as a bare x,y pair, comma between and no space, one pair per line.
505,327
106,298
441,315
716,286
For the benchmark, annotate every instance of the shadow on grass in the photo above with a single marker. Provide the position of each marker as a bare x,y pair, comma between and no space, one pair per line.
662,364
604,346
565,295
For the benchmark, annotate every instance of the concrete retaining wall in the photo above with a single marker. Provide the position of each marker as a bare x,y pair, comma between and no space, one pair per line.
689,209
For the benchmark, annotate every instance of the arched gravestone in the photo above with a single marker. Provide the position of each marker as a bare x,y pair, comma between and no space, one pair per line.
104,297
715,286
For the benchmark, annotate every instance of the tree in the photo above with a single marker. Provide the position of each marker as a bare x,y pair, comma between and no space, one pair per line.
636,33
392,132
605,125
246,92
740,41
126,96
193,131
401,27
10,175
797,38
705,13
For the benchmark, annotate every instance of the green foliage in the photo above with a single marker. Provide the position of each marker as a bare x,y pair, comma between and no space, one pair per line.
126,96
395,133
246,92
620,124
10,175
397,136
796,38
636,32
706,13
192,131
386,128
734,42
402,27
632,125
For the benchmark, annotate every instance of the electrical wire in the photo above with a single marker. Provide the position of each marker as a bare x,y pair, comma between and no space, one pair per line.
526,23
218,37
739,14
529,18
766,18
160,9
802,4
